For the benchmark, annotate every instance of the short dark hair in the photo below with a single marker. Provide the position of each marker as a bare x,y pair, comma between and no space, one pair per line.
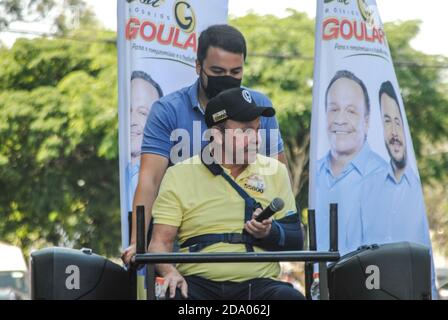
345,74
388,89
221,36
144,76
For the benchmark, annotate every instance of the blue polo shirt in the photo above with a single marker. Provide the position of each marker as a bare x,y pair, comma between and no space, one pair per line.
177,120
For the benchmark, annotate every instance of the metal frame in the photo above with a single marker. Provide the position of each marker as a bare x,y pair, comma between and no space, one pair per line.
309,257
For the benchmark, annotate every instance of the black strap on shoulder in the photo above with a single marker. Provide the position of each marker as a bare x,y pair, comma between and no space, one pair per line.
250,205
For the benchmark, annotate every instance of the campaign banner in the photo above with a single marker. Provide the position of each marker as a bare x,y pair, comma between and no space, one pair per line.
361,155
157,47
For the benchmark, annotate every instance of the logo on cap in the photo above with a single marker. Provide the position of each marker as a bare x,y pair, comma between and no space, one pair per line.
247,96
218,116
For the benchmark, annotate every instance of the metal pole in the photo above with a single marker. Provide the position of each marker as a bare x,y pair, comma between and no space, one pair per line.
323,281
312,229
141,246
223,257
131,270
150,282
333,227
141,249
130,226
309,266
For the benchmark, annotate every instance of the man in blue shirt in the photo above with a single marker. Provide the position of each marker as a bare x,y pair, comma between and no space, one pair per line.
176,123
393,209
341,172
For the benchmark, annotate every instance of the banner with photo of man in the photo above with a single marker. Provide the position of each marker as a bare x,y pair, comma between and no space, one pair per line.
157,46
361,155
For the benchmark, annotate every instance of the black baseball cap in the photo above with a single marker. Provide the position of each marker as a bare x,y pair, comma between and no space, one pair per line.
234,104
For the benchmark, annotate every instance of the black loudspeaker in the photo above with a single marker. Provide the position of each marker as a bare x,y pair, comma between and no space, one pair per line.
68,274
396,271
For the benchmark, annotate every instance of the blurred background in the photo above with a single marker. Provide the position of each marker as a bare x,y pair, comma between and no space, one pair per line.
59,183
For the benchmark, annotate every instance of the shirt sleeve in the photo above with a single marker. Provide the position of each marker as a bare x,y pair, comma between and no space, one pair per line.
285,193
158,128
167,208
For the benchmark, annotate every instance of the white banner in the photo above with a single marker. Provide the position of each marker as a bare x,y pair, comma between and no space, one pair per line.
361,155
157,46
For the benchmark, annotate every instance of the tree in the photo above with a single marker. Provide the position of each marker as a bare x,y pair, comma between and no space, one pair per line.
23,10
58,143
60,15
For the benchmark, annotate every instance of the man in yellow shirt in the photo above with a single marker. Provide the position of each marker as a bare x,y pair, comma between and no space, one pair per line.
210,203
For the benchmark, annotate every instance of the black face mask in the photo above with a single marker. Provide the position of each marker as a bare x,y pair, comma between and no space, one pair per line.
217,84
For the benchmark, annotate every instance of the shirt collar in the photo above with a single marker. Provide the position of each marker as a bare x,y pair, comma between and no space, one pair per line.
214,168
359,162
406,175
217,169
193,95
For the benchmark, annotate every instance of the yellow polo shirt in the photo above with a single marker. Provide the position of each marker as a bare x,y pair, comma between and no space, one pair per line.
198,202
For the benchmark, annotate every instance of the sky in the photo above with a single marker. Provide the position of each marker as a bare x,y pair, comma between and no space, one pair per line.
432,13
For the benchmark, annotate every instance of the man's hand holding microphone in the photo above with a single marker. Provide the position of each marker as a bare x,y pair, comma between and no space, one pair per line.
261,223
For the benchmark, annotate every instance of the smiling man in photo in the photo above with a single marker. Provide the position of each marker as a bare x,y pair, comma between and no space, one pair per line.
340,173
144,92
393,209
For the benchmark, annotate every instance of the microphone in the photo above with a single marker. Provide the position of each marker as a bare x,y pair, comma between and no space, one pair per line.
275,206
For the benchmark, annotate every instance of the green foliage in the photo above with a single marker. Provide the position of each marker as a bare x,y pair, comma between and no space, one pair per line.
64,14
21,10
58,144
